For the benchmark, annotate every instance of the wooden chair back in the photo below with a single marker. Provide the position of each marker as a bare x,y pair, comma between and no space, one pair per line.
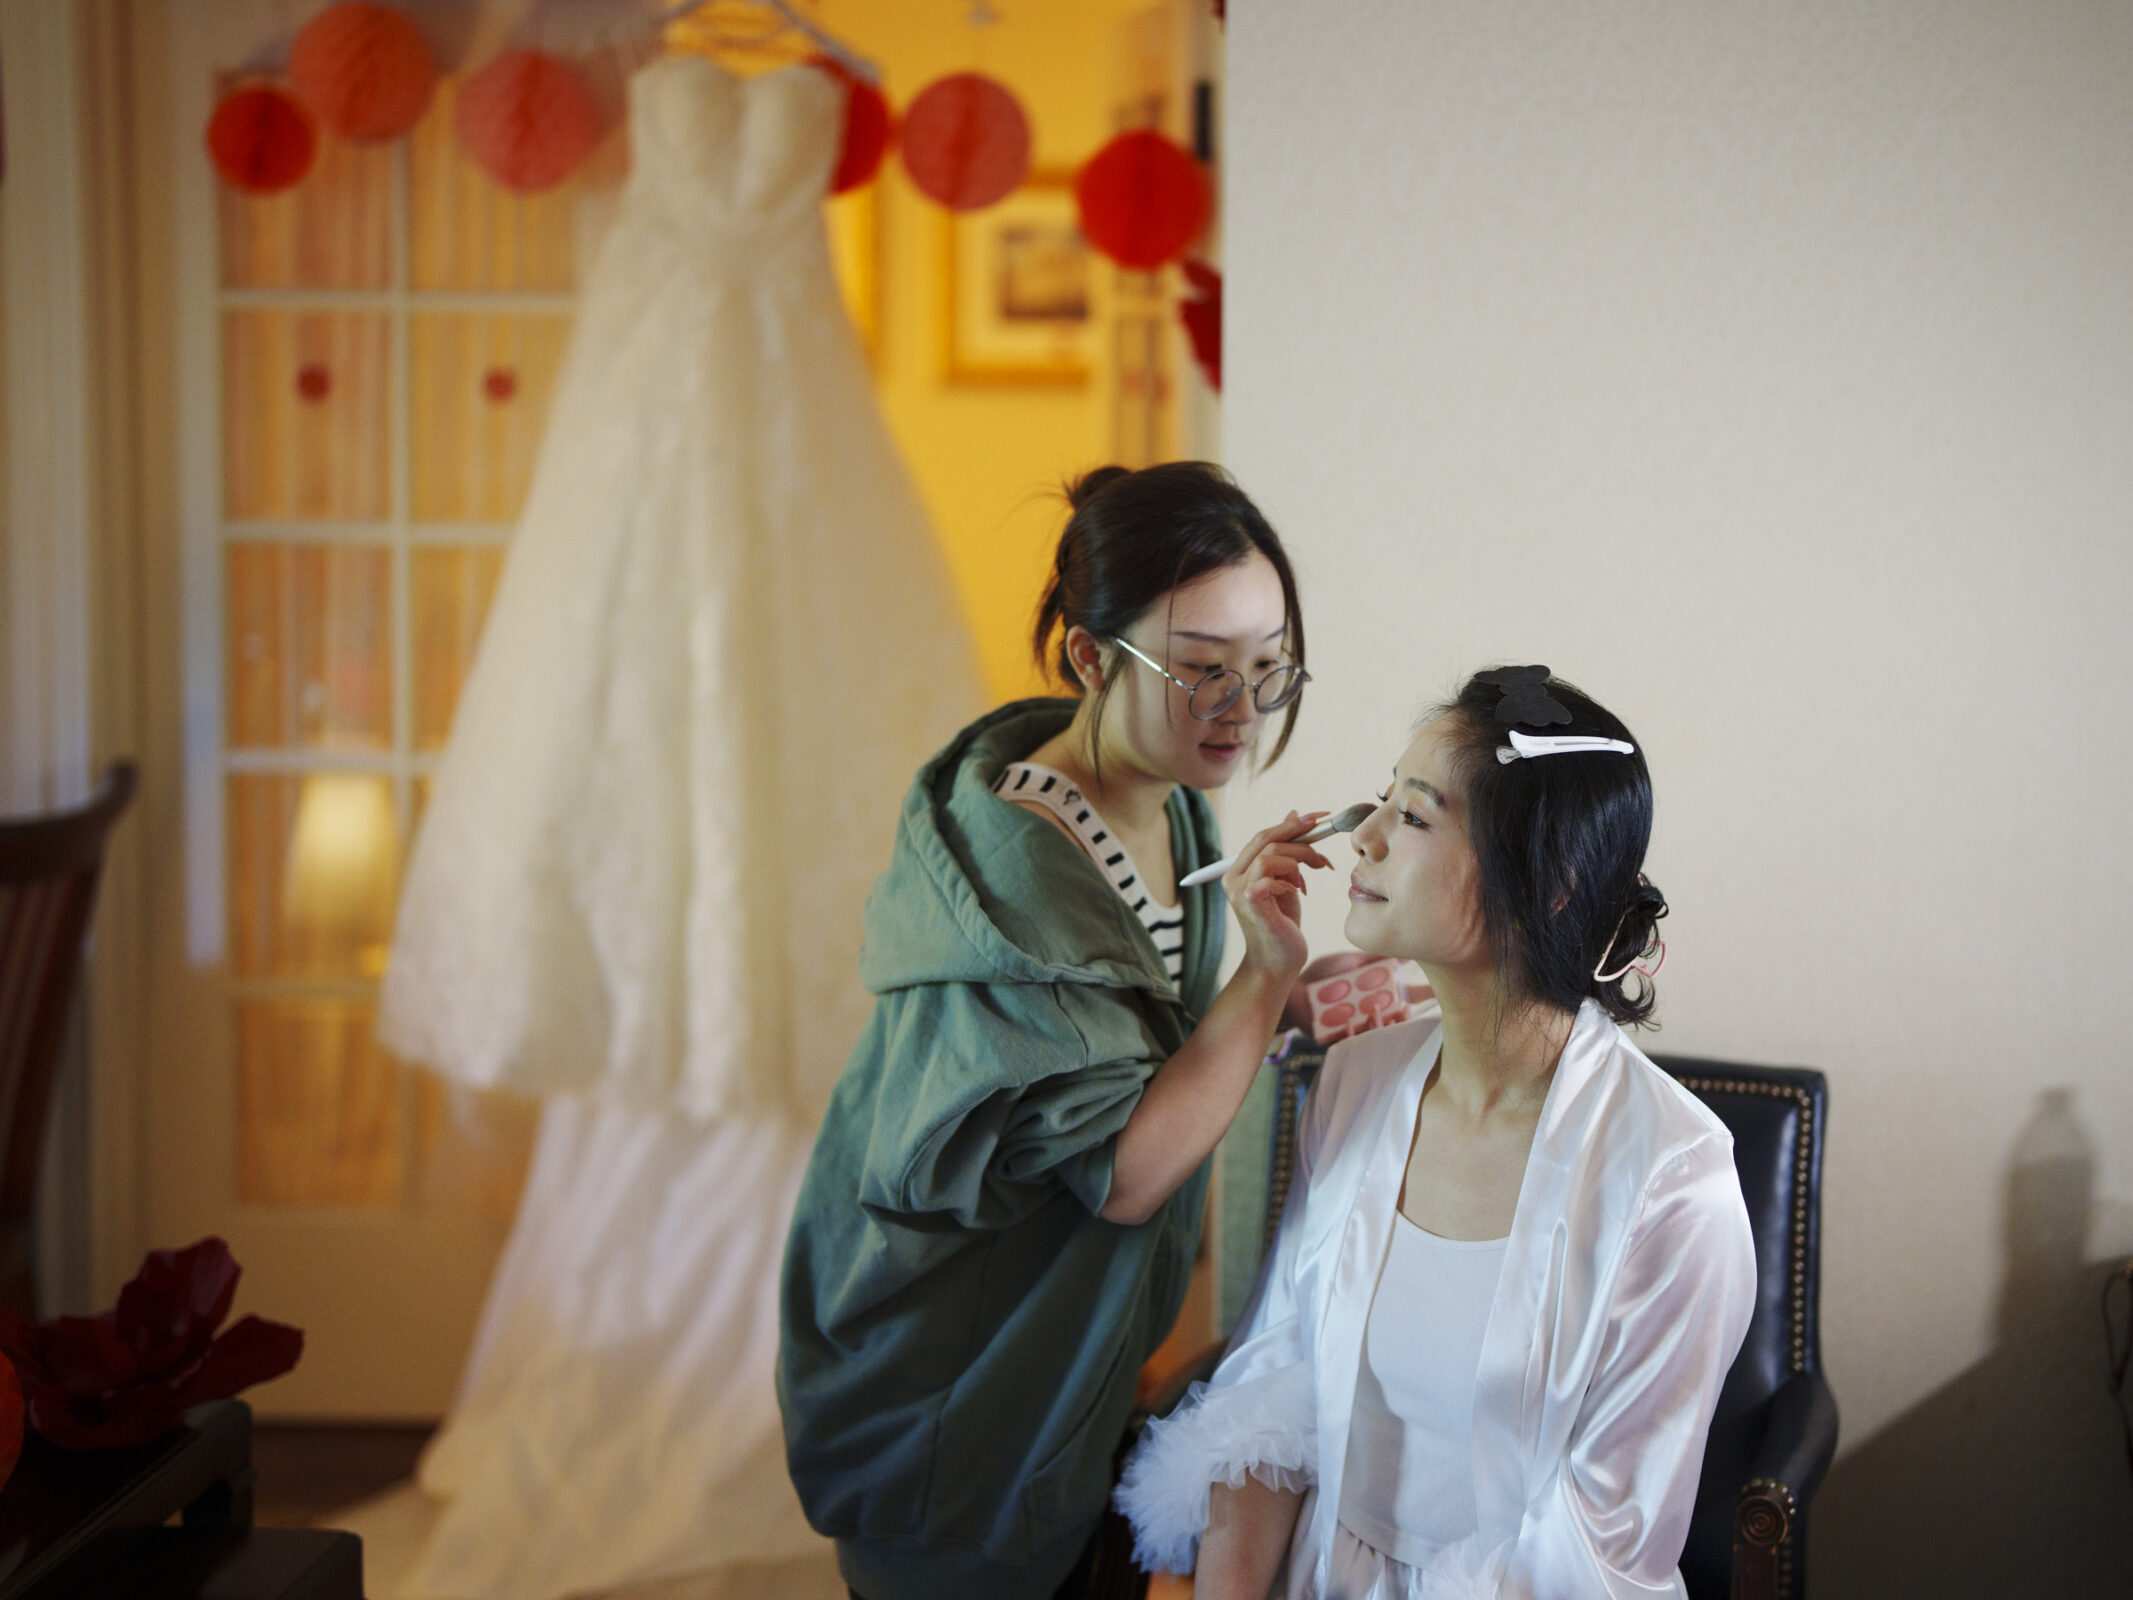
49,867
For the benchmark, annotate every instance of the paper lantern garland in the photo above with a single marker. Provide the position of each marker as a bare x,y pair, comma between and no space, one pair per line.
1143,199
364,70
868,127
966,141
260,140
527,120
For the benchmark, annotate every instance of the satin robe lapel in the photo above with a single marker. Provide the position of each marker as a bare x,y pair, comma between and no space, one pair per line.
1366,1236
1511,1386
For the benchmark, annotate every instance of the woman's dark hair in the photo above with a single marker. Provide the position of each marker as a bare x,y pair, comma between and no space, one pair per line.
1560,840
1131,538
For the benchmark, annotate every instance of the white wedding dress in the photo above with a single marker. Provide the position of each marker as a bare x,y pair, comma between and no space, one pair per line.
723,636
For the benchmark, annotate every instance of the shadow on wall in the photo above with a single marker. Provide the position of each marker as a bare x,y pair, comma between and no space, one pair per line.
2012,1478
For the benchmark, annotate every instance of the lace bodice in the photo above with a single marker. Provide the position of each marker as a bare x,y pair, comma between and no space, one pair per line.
715,155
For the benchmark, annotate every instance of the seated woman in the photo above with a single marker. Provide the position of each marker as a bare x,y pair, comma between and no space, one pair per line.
1515,1264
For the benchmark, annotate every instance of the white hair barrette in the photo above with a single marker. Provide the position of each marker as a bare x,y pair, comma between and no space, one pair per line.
1528,745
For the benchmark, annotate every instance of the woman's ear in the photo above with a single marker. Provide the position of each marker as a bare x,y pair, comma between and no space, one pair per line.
1087,657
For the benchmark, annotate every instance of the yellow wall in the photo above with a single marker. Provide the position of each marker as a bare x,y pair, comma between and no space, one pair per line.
987,458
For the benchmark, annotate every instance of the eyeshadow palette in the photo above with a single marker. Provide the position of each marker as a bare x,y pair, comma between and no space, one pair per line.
1365,997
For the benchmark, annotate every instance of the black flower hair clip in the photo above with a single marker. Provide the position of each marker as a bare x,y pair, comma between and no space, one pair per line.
1526,701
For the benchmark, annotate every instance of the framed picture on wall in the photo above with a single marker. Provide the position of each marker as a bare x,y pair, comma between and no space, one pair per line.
1020,288
854,219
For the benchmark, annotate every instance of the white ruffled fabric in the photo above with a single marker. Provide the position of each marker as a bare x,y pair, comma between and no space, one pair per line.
1467,1570
1265,1427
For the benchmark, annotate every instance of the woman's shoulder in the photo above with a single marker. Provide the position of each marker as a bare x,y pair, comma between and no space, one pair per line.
1360,1071
971,760
1672,1102
1007,879
1374,1058
1633,1107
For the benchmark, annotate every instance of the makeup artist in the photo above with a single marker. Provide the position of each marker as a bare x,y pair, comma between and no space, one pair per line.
1003,1205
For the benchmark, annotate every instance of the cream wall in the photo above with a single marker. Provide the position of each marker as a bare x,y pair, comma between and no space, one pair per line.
1768,369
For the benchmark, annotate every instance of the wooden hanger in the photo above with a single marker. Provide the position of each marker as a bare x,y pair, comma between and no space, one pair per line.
732,22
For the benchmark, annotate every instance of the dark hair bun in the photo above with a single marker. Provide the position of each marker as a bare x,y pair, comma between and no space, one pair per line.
1090,484
1638,933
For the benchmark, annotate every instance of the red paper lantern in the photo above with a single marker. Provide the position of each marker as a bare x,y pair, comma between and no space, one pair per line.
364,70
1143,199
868,127
528,120
966,141
260,140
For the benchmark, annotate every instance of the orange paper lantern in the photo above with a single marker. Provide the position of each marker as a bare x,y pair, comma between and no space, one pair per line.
966,141
364,71
868,127
260,140
1143,199
528,120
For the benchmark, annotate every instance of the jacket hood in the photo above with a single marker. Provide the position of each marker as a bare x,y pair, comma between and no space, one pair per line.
983,891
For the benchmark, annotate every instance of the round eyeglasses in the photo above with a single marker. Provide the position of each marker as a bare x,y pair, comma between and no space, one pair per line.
1219,687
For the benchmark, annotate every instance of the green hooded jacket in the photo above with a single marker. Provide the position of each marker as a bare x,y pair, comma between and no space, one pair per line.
961,1332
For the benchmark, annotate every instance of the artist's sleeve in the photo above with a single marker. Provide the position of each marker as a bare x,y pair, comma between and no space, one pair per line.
1610,1523
1257,1416
1014,1095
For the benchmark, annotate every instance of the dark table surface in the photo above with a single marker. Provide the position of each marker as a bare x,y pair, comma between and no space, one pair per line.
65,1513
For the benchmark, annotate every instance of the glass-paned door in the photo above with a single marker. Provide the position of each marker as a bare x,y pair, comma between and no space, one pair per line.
366,363
364,369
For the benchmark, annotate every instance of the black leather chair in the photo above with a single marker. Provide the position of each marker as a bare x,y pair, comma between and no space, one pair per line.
1775,1429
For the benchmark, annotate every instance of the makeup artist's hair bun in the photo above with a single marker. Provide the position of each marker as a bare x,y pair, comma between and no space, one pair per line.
1091,484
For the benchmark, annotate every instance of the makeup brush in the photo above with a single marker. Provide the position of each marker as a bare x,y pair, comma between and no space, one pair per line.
1340,822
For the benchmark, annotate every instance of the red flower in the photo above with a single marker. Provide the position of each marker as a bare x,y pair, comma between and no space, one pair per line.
130,1374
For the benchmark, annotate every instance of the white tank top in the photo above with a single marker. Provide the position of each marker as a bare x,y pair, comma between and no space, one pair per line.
1408,1486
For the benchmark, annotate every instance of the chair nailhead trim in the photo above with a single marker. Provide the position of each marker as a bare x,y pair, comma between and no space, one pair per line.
1782,1493
1802,1161
1286,1082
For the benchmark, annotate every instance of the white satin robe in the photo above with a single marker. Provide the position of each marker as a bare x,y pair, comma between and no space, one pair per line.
1626,1290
